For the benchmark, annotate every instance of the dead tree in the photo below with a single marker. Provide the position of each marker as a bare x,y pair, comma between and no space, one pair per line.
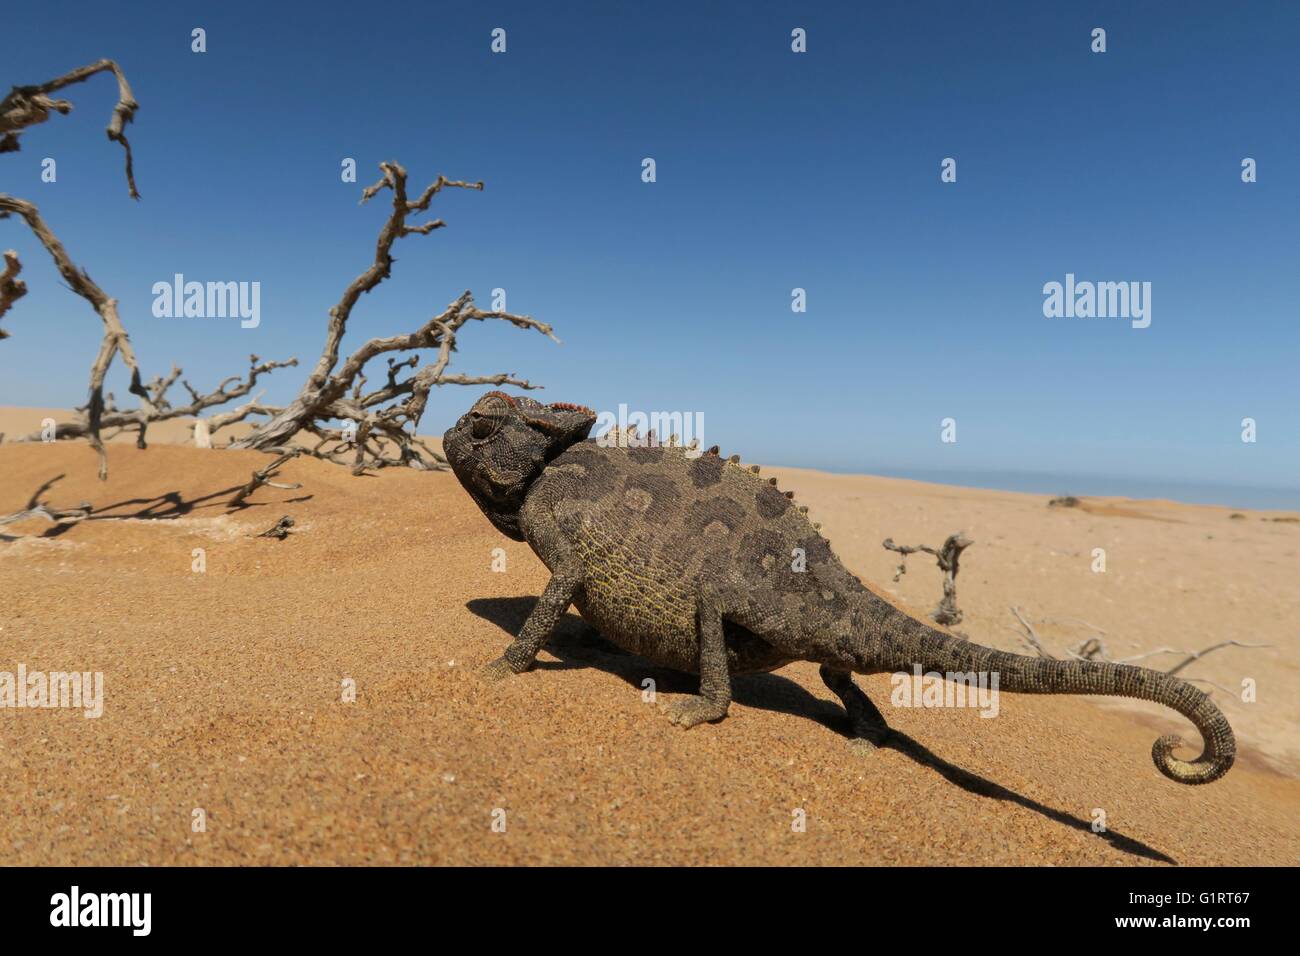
28,106
337,392
332,393
946,611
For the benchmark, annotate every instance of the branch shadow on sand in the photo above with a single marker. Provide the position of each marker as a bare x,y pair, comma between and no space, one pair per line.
578,645
164,507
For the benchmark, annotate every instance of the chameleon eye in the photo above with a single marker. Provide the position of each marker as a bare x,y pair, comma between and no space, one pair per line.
487,418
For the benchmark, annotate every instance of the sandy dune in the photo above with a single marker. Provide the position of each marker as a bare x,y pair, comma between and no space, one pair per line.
223,688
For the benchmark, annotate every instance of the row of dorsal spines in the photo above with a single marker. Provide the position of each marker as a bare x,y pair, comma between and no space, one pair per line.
629,436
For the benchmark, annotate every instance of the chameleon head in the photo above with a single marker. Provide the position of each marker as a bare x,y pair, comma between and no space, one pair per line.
499,447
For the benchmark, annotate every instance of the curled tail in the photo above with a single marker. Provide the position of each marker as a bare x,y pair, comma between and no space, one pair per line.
905,642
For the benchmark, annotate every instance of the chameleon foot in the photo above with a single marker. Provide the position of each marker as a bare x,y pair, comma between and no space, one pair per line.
696,710
870,731
861,747
497,671
867,734
866,722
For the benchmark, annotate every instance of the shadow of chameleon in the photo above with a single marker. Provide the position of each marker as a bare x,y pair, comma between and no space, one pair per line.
578,645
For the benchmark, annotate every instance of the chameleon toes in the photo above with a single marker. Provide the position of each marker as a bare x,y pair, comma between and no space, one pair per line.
496,671
862,747
695,710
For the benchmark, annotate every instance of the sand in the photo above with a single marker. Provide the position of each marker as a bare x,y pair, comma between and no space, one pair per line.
224,689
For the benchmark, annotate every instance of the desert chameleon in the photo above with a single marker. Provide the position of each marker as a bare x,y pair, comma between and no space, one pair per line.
695,562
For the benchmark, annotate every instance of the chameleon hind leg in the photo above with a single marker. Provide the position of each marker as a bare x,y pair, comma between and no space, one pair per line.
866,722
714,697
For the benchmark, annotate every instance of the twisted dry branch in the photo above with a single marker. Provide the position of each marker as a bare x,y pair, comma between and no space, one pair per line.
115,339
29,105
337,392
947,557
263,476
12,288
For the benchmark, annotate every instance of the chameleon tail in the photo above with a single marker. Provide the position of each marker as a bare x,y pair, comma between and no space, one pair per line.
908,642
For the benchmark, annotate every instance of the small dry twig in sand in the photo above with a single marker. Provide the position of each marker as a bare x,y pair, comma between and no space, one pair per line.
280,530
1092,649
263,477
335,392
12,288
1192,656
38,509
1031,635
946,611
1089,649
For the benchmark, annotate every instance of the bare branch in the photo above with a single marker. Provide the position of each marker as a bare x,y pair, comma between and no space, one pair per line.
254,407
158,409
29,105
337,391
325,394
1192,656
1031,635
1092,649
26,106
263,477
115,338
12,288
947,557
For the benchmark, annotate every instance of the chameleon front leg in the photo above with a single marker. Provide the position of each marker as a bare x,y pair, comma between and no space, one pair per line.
555,600
715,680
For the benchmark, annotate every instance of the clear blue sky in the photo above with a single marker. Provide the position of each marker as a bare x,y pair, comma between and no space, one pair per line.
775,170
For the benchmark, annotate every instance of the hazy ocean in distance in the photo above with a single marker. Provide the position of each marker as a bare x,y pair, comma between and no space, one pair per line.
1190,492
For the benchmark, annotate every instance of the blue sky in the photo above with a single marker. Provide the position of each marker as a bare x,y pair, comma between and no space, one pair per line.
774,170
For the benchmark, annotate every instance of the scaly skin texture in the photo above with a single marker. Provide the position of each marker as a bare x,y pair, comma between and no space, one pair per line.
696,563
